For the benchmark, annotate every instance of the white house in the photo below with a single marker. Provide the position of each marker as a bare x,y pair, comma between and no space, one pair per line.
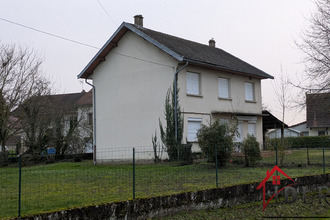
135,68
288,132
302,127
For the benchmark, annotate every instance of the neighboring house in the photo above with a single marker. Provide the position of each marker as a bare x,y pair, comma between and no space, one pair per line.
302,127
288,132
318,113
74,109
85,116
135,68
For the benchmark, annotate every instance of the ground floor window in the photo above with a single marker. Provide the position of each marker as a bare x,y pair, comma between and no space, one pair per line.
252,129
194,124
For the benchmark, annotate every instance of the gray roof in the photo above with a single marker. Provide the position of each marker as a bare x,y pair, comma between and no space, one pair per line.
181,49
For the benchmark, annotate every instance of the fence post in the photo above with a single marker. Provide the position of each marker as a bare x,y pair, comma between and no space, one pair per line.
276,152
19,184
323,158
133,173
216,164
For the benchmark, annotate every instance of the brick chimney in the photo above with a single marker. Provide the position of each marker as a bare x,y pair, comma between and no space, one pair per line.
138,20
212,43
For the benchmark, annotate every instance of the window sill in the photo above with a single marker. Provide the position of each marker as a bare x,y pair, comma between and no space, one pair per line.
193,95
247,101
225,99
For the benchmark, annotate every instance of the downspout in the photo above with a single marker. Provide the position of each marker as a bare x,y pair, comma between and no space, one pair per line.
176,101
94,122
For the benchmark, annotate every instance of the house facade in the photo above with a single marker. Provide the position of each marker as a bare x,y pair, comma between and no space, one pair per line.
134,70
318,113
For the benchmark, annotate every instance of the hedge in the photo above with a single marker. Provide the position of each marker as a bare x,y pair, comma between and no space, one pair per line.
301,142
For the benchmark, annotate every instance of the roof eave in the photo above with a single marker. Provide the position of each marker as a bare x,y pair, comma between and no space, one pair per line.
103,52
224,68
154,42
112,42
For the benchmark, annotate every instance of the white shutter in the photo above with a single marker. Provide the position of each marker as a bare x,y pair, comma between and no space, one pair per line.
249,92
192,83
252,129
223,87
194,124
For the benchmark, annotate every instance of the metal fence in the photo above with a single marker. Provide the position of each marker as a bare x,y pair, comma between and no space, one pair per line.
30,185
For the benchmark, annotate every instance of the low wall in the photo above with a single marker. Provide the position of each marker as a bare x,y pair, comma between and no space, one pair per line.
163,205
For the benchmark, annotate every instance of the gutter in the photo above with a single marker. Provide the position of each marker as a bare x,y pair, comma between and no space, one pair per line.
94,122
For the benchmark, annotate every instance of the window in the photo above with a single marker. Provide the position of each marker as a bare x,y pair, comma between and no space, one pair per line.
193,83
73,122
252,129
239,134
194,124
90,118
223,88
249,91
224,121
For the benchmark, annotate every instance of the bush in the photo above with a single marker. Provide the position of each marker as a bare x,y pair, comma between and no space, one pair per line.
219,135
302,142
251,149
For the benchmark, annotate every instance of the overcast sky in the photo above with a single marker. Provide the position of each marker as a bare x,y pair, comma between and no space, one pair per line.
261,32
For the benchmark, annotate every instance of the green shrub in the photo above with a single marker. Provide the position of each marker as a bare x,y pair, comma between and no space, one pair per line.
251,148
219,135
302,142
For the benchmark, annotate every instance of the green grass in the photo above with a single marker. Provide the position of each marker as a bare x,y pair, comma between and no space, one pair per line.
66,185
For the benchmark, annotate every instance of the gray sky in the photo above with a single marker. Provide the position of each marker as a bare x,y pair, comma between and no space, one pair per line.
261,32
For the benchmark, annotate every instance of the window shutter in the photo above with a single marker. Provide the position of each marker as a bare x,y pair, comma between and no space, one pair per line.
252,129
192,83
223,87
249,92
239,136
194,125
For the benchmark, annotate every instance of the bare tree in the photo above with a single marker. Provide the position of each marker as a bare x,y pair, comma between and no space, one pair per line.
316,46
20,79
282,88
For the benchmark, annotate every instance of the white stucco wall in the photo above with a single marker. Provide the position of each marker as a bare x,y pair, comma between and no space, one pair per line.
131,86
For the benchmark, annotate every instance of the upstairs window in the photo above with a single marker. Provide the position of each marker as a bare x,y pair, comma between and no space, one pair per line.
193,83
249,91
223,88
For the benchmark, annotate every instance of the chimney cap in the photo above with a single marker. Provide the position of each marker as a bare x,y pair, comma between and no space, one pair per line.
138,20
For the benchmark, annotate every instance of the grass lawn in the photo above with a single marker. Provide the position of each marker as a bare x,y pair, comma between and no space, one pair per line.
66,185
